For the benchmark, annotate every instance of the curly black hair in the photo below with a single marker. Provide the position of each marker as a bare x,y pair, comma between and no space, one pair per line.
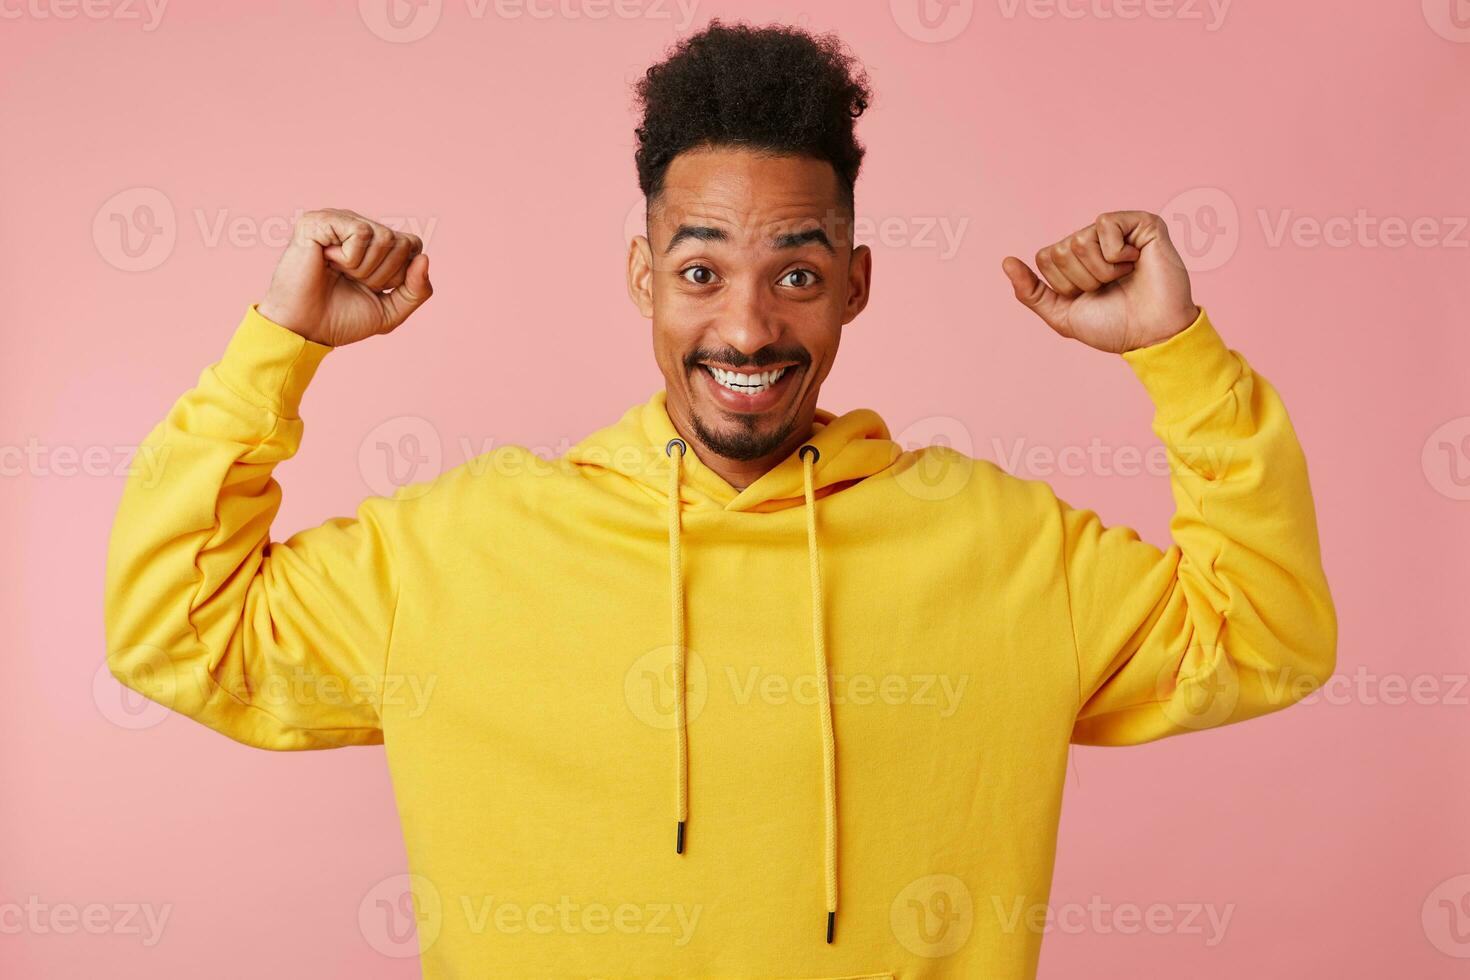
777,89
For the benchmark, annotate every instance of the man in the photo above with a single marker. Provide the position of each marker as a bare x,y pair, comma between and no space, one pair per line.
737,687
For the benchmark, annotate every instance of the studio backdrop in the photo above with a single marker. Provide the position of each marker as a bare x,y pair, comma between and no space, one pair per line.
1309,159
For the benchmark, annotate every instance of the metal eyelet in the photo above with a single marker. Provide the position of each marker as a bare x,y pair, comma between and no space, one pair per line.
669,447
815,454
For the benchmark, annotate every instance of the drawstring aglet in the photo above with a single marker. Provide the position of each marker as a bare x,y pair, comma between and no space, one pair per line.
831,922
679,843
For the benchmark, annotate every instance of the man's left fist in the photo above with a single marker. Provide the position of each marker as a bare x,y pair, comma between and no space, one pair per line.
1116,285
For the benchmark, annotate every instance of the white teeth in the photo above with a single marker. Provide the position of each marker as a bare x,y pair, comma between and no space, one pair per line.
748,384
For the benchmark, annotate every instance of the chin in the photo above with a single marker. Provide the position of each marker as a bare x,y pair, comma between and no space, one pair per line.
744,437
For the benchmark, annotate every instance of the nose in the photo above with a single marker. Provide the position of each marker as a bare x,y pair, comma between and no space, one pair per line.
748,322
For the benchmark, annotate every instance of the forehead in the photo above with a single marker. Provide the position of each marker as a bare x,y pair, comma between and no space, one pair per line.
749,194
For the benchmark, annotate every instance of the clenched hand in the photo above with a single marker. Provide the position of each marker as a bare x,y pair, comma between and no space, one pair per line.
345,277
1116,285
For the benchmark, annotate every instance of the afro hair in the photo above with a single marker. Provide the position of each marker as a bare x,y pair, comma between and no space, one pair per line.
774,89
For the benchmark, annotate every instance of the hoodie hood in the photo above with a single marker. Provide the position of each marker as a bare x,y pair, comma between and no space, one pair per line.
841,451
850,447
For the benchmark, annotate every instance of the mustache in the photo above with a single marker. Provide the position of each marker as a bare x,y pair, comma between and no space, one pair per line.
764,357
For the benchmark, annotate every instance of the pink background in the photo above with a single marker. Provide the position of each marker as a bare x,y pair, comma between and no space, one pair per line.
1330,833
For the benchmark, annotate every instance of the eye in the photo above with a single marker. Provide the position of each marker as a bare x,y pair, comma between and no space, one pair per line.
707,277
810,278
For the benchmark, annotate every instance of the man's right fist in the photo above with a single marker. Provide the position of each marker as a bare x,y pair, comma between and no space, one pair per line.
344,278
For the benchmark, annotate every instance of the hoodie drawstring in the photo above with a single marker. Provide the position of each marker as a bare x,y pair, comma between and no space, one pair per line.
676,603
824,695
809,456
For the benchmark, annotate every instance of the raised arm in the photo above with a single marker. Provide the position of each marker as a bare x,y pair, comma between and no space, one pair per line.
280,645
1235,619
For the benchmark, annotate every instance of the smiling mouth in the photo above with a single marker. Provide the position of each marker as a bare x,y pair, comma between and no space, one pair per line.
752,383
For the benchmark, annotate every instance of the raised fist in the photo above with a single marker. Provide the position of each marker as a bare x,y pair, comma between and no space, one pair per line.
1117,284
345,277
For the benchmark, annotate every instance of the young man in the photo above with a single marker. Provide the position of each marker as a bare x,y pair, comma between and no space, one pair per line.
734,688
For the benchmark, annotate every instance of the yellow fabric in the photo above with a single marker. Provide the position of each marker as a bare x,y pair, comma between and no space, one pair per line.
504,630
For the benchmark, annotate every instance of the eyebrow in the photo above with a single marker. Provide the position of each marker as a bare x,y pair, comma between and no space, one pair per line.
705,233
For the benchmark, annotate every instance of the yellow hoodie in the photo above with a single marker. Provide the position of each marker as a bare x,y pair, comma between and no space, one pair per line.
885,655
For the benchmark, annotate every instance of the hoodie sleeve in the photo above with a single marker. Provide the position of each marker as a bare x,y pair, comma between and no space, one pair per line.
279,645
1234,620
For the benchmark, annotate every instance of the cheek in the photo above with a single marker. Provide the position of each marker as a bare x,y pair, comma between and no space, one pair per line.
681,309
672,339
818,330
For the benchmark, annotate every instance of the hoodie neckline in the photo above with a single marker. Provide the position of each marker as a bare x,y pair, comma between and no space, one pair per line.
852,446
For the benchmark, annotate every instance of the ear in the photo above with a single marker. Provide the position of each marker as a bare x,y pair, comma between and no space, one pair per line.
859,282
640,275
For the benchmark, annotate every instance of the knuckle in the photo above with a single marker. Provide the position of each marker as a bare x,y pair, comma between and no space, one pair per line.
308,223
